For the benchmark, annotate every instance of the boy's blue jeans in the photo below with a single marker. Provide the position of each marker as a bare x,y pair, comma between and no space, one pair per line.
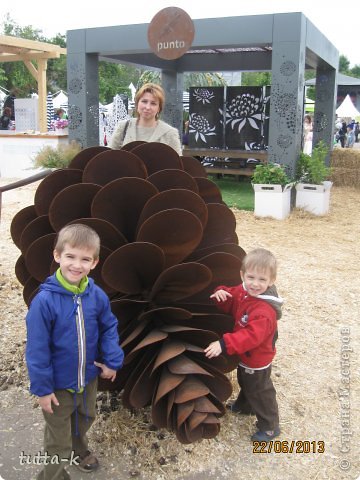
65,430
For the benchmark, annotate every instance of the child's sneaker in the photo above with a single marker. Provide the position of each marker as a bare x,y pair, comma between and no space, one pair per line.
88,463
260,436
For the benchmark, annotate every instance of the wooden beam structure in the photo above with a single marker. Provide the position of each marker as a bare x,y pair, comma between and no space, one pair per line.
35,55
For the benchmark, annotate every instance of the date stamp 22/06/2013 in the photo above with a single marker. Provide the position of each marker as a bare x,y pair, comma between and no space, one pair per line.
292,446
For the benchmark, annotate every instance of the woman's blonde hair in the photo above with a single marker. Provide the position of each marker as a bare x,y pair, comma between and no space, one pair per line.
155,90
262,260
78,235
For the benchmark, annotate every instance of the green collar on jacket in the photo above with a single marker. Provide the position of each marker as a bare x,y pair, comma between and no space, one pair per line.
68,286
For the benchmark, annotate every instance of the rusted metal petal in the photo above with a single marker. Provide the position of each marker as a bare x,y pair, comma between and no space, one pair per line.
170,178
53,184
39,257
21,272
144,361
110,237
38,227
180,281
181,435
193,166
159,412
220,227
71,203
208,190
203,404
154,336
163,315
170,411
141,392
186,233
112,164
82,158
121,201
30,290
134,267
184,410
232,248
224,267
96,273
194,335
157,156
126,310
216,322
210,431
195,419
190,389
169,350
176,198
19,222
131,145
193,435
184,365
168,382
218,383
211,419
136,330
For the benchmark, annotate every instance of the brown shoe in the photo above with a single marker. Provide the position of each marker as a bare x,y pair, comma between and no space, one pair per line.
88,463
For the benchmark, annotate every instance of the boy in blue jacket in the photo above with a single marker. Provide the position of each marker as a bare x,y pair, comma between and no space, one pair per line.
71,338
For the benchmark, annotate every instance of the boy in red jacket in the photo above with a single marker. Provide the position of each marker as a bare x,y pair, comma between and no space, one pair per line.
256,307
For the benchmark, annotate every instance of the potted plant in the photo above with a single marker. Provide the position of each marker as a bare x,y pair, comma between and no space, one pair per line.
272,188
313,188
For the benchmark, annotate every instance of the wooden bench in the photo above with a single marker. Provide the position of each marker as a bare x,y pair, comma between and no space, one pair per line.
234,165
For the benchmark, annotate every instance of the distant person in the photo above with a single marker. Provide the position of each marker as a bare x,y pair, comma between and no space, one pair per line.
255,307
72,337
10,102
60,114
342,134
147,126
307,135
350,138
5,119
356,131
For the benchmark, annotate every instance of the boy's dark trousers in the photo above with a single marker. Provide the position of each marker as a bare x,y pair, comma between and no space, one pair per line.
66,428
258,396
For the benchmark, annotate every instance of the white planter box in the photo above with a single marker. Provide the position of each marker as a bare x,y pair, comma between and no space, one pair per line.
313,198
272,200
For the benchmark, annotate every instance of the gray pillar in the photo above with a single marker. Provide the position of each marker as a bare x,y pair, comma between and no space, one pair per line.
287,91
173,84
83,90
325,103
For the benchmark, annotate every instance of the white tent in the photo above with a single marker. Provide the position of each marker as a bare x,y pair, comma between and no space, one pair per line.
60,100
347,109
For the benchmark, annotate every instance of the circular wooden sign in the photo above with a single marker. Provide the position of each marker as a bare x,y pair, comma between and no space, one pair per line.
171,33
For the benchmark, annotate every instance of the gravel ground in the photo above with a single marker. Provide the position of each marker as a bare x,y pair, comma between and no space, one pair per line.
316,370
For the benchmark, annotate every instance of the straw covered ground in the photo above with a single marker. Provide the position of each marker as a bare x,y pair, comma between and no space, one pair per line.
316,370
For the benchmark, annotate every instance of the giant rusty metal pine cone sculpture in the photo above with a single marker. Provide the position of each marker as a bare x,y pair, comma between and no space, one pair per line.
167,239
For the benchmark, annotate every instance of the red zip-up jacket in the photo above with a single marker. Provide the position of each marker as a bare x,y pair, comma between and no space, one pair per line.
255,328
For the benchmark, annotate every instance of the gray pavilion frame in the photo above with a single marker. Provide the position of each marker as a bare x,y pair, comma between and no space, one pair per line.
286,44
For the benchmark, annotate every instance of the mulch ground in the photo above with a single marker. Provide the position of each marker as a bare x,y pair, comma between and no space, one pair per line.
316,370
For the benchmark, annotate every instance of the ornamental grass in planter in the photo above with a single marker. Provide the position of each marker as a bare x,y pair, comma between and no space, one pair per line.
56,157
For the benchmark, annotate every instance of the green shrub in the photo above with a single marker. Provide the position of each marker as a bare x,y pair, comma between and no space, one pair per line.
270,173
56,157
312,168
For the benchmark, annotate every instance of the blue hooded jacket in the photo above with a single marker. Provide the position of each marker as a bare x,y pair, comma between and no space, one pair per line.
66,333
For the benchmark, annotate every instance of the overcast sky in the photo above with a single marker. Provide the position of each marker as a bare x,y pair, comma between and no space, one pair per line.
54,17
